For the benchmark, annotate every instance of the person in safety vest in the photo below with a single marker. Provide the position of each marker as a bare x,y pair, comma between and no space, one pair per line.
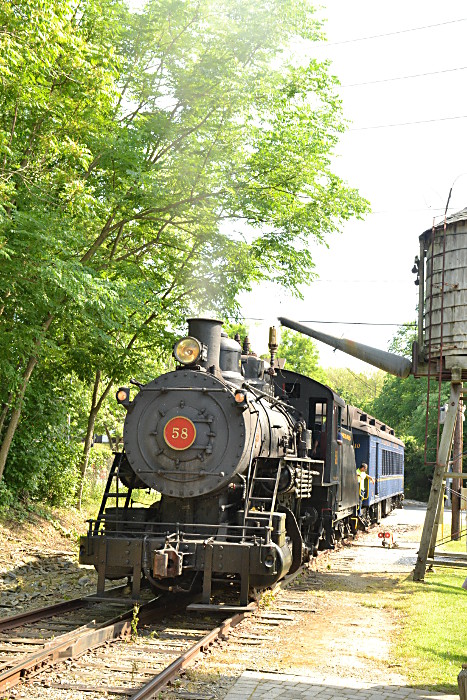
362,478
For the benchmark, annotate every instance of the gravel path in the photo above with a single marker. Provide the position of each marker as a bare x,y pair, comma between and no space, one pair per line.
333,641
337,643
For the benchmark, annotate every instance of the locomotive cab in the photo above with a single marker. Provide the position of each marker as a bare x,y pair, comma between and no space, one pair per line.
335,491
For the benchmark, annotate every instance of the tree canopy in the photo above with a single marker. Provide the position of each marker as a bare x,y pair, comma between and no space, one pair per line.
402,404
300,354
358,389
134,148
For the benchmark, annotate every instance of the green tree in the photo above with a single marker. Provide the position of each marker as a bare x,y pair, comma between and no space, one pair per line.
300,354
402,404
233,328
358,389
127,140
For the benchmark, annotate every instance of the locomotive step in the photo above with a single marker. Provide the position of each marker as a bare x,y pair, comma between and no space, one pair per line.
208,607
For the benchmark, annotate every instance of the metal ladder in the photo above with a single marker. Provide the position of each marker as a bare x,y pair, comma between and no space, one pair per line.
113,495
266,503
113,492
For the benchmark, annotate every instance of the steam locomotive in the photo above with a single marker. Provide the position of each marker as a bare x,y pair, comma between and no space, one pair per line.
252,469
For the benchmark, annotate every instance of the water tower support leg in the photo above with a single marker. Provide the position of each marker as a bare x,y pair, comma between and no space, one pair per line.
438,479
439,511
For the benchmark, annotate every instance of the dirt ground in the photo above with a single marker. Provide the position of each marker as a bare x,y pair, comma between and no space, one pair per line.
340,618
39,561
336,618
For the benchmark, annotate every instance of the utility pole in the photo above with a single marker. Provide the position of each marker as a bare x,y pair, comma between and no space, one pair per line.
456,483
430,527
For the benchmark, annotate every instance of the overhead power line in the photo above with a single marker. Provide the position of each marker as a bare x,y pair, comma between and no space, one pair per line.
420,121
404,77
400,31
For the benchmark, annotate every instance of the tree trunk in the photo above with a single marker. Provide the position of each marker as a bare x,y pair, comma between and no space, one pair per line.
88,439
15,415
110,438
4,413
18,402
86,452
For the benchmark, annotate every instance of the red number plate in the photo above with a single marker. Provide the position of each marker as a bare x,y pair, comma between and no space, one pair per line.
179,433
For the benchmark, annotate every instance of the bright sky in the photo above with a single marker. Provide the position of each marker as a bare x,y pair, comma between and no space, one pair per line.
405,171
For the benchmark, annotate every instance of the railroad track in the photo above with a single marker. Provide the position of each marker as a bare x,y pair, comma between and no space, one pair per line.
34,640
169,639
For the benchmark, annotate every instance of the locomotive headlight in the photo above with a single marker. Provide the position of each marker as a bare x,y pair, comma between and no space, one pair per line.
240,399
187,350
123,396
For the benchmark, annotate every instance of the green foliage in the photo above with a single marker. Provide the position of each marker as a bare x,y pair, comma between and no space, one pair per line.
100,459
300,354
7,498
134,623
43,463
127,140
356,389
402,404
232,328
60,477
405,336
417,474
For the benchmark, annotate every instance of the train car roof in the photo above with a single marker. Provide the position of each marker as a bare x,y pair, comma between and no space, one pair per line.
360,420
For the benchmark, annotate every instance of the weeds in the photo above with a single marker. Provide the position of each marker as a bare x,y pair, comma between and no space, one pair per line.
134,623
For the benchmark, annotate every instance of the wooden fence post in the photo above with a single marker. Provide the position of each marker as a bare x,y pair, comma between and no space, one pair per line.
462,682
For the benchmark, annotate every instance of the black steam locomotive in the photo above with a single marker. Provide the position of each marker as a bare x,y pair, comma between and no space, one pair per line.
254,469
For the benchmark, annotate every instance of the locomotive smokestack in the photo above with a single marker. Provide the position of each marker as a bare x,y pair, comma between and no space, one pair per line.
208,332
387,361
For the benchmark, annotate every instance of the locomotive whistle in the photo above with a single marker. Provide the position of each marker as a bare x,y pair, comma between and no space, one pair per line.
272,347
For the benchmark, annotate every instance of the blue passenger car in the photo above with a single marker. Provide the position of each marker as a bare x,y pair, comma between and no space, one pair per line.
376,444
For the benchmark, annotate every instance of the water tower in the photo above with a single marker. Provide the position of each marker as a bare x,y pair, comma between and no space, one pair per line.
440,352
441,268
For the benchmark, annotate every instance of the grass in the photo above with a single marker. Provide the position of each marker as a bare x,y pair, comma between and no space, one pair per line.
430,644
454,546
432,641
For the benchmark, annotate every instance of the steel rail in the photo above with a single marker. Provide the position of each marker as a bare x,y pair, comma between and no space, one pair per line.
171,672
21,619
76,642
187,658
52,652
8,623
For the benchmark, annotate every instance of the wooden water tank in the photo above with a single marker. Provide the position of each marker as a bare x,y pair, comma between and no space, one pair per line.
445,302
